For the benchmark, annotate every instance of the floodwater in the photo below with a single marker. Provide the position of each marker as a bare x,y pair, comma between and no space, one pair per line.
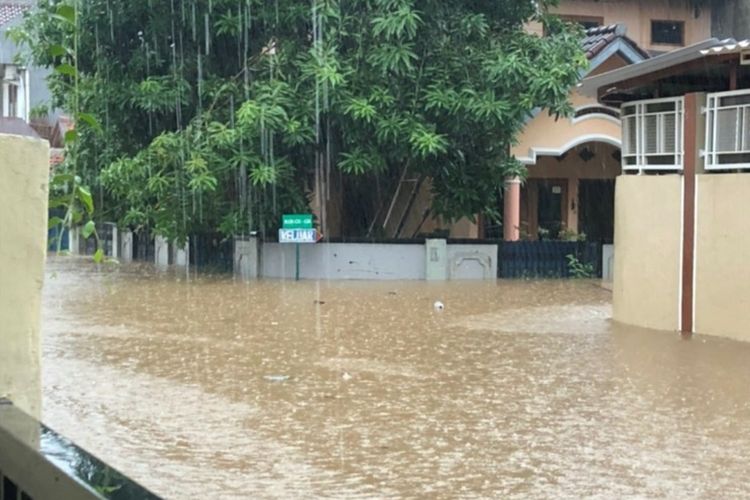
210,388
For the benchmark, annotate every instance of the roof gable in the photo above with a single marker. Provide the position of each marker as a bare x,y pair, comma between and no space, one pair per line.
603,42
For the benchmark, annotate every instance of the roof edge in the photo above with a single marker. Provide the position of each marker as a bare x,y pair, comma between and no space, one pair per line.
590,86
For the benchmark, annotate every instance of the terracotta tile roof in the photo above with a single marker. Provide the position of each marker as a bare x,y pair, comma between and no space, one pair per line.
9,11
597,39
56,156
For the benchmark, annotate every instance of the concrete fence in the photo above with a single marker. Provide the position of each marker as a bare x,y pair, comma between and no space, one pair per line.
435,260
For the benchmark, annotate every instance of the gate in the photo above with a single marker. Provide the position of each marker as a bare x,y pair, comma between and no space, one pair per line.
547,259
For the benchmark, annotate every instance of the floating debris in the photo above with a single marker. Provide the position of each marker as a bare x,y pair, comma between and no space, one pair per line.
438,306
276,378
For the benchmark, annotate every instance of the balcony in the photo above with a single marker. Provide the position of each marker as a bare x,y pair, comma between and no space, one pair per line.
727,131
653,135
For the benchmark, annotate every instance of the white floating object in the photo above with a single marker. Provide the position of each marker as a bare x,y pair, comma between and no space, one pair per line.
438,306
346,376
276,378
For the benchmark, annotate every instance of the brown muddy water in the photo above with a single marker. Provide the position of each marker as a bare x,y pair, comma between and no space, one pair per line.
210,388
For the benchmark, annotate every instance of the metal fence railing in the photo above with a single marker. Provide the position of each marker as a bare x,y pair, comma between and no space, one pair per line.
549,259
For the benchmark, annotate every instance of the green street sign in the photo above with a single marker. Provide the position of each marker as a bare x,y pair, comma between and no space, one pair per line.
297,221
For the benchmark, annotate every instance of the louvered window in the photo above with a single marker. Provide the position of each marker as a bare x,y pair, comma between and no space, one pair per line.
728,130
652,135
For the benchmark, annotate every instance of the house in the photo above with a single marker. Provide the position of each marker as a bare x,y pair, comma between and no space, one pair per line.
572,163
657,26
681,229
23,88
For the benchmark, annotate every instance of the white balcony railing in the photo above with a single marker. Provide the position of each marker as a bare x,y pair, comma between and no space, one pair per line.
652,134
727,130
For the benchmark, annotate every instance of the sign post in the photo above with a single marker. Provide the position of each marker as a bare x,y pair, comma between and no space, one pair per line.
297,229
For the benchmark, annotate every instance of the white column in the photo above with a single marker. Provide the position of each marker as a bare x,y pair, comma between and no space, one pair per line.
246,262
21,96
181,255
115,243
126,250
161,252
74,240
6,101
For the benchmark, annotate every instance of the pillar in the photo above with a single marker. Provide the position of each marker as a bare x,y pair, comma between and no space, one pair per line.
246,262
23,247
161,252
181,255
436,259
126,246
512,209
693,127
115,243
74,240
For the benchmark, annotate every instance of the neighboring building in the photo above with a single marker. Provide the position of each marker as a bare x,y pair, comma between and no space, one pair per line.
572,163
682,233
657,26
22,88
730,19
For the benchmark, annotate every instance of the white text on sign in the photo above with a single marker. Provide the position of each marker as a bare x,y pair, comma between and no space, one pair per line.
298,235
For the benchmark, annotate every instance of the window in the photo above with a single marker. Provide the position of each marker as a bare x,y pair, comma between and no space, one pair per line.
587,22
667,32
652,135
728,130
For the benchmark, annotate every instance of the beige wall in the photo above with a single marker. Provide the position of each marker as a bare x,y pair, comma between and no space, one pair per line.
544,135
722,281
647,250
637,16
24,170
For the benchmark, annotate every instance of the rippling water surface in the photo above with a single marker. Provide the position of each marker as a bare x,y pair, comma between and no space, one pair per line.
210,388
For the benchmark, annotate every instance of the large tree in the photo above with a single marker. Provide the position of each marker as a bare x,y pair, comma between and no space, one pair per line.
222,114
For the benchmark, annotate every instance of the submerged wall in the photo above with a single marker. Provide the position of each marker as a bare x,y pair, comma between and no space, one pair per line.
722,256
648,283
24,171
377,261
344,261
647,242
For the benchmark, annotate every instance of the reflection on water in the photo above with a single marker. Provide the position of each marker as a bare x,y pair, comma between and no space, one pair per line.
211,388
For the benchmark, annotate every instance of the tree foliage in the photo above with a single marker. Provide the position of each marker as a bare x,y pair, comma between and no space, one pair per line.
215,113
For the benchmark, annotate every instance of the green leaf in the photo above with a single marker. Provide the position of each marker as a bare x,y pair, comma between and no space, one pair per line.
71,136
66,69
57,51
90,121
60,201
53,222
84,196
67,12
88,229
60,179
99,256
